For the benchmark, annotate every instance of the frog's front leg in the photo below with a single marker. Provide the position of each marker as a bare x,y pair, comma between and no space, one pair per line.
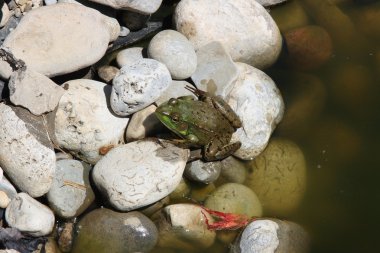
218,150
225,109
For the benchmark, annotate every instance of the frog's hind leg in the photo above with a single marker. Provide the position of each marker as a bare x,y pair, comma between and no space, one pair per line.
215,150
225,109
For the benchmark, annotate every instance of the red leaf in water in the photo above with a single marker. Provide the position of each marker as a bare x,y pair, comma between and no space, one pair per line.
226,221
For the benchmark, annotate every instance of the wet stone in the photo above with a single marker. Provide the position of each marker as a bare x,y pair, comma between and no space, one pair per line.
29,216
234,198
71,191
232,171
183,227
202,172
272,235
278,177
104,231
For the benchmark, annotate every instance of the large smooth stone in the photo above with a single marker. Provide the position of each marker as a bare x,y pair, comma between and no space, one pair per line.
34,91
139,173
272,235
183,227
257,101
137,85
244,27
71,191
29,216
106,231
278,177
141,6
26,153
175,51
60,38
83,120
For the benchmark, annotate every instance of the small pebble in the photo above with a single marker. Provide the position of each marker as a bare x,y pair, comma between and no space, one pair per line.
107,73
202,172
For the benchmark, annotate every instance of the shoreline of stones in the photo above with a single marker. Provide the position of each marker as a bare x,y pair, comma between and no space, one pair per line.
101,126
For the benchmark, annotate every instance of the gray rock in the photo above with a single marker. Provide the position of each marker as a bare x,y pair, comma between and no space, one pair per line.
71,191
124,31
138,85
216,72
139,173
259,105
34,91
26,154
83,121
7,188
233,171
29,216
104,230
272,235
143,123
244,27
175,51
203,172
183,227
175,89
52,47
270,2
128,56
142,6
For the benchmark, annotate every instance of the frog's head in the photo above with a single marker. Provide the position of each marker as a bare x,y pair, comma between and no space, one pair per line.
170,114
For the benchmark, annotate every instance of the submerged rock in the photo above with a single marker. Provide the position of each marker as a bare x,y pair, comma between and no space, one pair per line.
104,231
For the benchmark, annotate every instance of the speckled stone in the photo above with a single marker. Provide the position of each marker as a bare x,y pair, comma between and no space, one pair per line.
152,170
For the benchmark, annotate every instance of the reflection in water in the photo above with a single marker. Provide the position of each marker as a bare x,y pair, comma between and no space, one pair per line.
341,207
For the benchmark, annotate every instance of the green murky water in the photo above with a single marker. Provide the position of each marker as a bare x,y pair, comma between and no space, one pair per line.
339,133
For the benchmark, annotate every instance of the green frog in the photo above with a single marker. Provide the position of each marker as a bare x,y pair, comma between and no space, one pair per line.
207,122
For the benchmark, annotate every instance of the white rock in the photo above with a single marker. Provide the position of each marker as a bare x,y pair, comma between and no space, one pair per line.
139,173
216,72
259,105
260,236
243,26
53,47
5,70
175,89
124,31
84,122
129,56
29,216
138,85
141,6
50,2
107,73
6,15
175,51
4,199
28,162
71,192
34,91
142,123
7,192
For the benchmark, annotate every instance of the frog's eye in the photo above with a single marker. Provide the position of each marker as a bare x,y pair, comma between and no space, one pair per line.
175,117
173,101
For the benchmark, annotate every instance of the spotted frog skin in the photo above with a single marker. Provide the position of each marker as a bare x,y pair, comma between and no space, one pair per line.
206,123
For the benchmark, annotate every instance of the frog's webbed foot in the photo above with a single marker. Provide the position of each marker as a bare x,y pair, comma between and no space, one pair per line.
215,150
